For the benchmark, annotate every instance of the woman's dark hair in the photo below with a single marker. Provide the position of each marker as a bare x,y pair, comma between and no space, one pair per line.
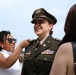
51,32
70,26
3,34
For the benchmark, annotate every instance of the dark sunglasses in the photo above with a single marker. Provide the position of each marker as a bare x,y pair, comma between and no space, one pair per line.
10,40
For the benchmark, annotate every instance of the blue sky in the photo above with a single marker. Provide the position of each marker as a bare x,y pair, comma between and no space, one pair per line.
15,15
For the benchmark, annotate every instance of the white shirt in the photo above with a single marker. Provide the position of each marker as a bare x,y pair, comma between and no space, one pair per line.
14,70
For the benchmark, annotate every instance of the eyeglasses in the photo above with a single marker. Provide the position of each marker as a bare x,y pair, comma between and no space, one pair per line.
10,40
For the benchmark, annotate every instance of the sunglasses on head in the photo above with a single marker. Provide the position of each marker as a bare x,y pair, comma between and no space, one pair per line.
11,39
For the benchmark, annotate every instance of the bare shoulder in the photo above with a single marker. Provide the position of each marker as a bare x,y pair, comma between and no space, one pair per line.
66,46
67,53
62,58
63,53
65,49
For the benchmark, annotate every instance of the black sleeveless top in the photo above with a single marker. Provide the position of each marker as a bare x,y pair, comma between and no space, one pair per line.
74,54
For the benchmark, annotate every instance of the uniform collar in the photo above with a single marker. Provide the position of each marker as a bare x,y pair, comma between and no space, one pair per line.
42,41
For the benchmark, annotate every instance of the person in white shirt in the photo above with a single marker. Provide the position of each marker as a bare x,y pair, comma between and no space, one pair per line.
9,63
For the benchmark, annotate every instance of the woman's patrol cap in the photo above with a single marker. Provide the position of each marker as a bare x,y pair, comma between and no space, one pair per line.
40,14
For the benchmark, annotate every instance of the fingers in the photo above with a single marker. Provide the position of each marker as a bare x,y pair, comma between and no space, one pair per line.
25,43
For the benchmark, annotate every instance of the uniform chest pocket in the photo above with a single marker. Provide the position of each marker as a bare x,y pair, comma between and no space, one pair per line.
45,57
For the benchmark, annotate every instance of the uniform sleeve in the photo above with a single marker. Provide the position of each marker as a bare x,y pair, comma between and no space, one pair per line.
24,71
